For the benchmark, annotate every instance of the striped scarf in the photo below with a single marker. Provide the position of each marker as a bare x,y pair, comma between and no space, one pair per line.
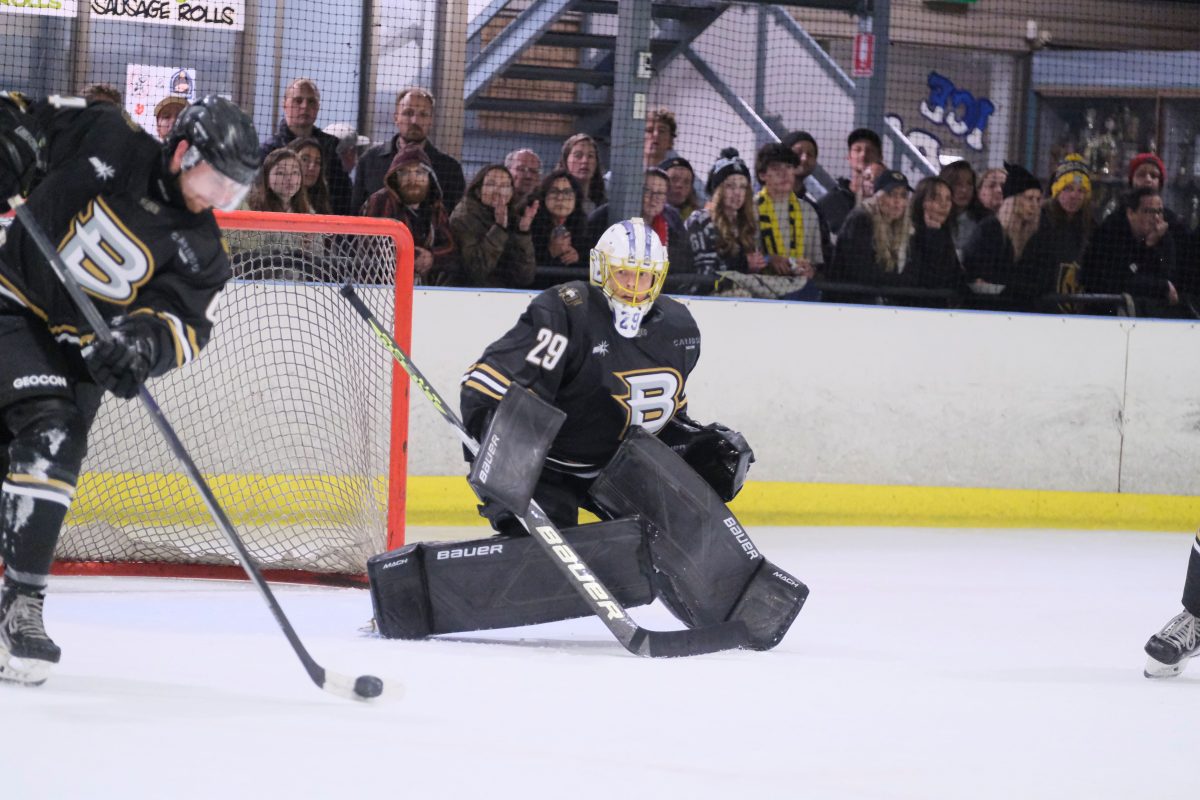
768,226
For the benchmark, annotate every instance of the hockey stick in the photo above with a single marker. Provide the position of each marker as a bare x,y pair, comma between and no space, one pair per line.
363,687
633,637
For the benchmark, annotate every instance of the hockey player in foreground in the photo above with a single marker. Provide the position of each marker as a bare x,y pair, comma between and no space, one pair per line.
582,405
1170,649
134,224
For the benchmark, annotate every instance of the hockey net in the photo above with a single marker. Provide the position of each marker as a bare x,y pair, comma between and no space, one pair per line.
296,417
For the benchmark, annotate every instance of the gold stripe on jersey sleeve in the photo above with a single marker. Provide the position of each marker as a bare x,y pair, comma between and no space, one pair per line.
479,387
22,299
490,370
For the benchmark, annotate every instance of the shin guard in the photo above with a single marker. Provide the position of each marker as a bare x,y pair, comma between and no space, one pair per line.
502,581
49,441
707,570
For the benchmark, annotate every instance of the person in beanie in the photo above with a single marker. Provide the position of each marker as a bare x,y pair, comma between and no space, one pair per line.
724,234
1056,250
995,263
1147,170
412,194
681,191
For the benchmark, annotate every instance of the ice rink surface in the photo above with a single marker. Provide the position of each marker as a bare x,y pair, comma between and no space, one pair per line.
927,664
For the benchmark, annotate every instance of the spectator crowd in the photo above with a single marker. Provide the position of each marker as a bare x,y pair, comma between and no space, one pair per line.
746,226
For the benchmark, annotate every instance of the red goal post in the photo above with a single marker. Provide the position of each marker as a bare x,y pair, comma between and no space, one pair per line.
295,415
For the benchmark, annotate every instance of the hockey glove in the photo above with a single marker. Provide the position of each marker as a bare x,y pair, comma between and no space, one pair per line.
719,454
123,364
21,147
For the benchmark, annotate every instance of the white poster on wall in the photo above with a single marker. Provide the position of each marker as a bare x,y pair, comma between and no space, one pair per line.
221,15
146,84
46,8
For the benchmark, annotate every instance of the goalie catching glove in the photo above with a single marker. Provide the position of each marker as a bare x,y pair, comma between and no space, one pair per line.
718,454
123,364
21,147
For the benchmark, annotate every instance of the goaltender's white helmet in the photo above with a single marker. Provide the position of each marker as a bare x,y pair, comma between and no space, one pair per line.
629,264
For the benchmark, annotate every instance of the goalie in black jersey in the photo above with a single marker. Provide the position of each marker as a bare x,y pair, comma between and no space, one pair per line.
133,222
582,405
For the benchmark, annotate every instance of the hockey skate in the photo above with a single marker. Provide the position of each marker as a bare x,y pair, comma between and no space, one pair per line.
26,652
1170,648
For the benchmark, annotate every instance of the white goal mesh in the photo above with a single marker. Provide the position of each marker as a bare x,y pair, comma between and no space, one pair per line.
287,412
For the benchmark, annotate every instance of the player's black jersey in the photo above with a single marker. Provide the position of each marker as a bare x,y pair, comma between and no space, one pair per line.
122,229
564,347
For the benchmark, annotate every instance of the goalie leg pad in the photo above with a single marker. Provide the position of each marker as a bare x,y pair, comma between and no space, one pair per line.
703,558
769,605
503,581
513,449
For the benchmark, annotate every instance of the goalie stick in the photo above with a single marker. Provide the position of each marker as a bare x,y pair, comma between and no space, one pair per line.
364,687
633,637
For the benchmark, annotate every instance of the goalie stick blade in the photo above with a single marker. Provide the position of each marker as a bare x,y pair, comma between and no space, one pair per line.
694,642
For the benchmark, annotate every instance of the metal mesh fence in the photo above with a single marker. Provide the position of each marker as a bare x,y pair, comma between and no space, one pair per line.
947,87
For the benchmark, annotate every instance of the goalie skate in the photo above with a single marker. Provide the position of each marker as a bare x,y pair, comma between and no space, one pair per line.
26,652
1170,648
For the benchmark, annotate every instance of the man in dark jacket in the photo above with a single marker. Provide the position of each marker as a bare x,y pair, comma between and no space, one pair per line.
301,102
864,147
1134,253
414,120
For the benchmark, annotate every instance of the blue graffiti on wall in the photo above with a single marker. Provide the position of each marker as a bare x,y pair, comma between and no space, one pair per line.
962,112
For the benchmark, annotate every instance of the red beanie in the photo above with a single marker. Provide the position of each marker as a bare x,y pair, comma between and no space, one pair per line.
1142,158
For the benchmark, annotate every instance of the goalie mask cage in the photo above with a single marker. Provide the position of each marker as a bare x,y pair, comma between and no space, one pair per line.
296,417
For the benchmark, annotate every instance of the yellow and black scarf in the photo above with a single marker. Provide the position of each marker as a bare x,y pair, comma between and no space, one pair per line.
768,226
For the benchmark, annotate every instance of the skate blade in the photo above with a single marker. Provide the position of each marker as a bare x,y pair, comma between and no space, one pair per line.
1156,669
23,671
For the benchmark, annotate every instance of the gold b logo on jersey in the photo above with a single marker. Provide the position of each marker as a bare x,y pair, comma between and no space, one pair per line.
652,397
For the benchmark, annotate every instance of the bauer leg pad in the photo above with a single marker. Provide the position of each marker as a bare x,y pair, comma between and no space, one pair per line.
502,581
705,563
769,605
513,449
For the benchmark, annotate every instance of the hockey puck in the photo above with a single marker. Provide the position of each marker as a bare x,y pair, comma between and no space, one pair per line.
368,686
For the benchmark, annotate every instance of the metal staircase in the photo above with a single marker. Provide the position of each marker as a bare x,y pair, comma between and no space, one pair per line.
577,92
554,59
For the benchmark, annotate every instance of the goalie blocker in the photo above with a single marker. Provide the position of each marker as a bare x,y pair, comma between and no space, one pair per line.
670,537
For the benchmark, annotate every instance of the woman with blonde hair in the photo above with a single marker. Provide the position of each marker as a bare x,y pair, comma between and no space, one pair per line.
872,247
990,190
995,260
724,234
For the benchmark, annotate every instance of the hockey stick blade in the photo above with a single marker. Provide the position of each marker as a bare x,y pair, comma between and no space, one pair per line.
633,637
365,687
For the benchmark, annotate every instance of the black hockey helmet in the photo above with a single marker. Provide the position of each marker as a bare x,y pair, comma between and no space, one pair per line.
220,133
